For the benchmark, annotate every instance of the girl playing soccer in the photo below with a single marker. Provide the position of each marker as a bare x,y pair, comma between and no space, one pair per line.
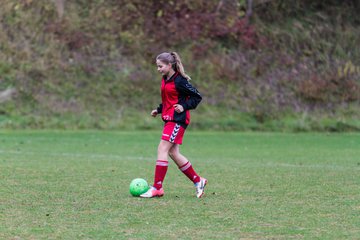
178,97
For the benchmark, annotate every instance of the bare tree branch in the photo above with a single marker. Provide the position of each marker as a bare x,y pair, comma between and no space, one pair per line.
249,8
60,7
220,4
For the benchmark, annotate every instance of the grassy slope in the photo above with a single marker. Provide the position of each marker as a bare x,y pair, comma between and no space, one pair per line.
87,72
74,185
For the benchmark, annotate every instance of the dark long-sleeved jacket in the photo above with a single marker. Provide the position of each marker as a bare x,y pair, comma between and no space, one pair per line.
177,90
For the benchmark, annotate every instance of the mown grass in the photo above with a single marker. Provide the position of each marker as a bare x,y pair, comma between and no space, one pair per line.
294,67
74,185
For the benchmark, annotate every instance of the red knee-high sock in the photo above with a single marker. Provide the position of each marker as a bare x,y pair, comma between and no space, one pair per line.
189,171
160,172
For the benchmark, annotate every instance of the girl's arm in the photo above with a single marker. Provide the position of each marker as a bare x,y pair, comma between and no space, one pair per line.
159,108
187,89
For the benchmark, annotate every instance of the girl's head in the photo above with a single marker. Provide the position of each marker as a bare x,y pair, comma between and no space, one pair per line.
171,61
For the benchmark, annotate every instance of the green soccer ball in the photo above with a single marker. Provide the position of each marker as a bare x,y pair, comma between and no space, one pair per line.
138,186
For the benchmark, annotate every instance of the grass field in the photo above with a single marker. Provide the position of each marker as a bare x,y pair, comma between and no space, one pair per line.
74,185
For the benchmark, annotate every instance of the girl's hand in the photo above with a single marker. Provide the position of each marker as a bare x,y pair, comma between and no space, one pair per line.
154,113
178,108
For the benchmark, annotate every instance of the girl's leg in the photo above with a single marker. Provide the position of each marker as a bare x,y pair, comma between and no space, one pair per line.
161,163
160,171
175,155
183,163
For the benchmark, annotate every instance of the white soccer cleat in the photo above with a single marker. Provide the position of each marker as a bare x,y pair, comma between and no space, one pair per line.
153,192
200,187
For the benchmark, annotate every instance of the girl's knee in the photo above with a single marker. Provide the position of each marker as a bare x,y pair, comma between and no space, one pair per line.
174,152
163,149
163,146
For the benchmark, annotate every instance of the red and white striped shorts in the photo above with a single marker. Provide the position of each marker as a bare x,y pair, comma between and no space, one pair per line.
173,132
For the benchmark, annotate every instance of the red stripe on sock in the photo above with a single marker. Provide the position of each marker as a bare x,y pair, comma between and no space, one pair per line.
189,171
185,166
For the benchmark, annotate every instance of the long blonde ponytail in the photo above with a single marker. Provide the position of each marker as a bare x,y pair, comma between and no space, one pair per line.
179,66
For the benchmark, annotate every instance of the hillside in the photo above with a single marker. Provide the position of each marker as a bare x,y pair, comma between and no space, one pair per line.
90,64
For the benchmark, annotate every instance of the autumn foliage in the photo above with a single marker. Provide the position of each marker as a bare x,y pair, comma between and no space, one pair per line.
73,57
